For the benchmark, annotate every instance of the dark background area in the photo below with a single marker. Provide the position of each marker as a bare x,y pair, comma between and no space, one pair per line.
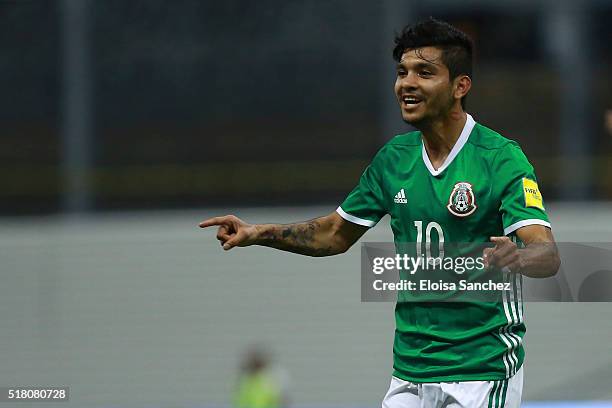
196,104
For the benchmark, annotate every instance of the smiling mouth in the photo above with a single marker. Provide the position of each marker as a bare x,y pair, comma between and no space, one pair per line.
410,101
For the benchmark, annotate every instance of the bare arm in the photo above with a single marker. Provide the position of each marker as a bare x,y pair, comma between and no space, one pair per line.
323,236
539,258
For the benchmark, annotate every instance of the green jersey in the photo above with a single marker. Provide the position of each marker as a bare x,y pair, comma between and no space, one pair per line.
486,187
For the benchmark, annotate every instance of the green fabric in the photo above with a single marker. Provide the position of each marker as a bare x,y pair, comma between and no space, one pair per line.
257,391
434,341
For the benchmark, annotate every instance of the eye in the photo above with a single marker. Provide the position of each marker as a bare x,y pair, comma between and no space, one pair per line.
401,73
425,73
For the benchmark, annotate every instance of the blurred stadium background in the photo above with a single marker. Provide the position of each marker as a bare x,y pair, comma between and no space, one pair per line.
126,123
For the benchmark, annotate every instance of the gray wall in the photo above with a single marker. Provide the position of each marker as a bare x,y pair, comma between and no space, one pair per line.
145,309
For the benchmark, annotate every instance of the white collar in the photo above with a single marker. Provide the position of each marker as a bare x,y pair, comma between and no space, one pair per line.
463,137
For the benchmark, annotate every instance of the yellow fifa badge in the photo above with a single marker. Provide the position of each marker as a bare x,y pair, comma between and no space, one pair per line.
533,198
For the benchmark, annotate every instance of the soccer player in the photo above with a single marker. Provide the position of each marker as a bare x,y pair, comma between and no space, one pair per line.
467,183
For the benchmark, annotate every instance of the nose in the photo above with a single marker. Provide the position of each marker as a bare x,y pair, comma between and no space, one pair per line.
408,81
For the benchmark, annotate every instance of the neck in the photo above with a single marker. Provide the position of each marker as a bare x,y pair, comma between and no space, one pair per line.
440,135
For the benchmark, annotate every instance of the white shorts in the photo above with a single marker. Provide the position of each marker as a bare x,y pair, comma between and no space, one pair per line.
464,394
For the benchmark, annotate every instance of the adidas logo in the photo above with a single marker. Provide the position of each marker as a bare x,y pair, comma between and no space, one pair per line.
400,198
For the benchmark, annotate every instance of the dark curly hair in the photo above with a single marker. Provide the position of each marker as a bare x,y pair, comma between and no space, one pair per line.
456,46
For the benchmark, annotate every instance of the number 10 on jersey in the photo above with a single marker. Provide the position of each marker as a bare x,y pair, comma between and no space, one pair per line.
419,241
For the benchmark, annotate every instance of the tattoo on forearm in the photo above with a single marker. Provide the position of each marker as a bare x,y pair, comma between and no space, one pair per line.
299,238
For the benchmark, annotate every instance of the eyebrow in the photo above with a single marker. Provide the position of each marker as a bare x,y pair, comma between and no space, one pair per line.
418,65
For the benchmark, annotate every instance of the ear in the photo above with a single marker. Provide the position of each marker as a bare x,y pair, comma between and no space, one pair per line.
463,84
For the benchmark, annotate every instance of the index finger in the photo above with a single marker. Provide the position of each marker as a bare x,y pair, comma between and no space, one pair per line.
498,241
213,221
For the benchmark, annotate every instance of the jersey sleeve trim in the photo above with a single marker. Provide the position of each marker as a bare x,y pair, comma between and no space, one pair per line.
353,219
524,223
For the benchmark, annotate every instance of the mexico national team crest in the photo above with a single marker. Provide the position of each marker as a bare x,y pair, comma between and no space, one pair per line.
461,201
